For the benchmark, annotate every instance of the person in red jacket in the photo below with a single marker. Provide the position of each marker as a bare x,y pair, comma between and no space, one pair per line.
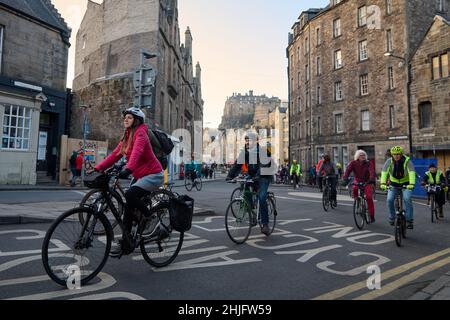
364,172
319,174
142,164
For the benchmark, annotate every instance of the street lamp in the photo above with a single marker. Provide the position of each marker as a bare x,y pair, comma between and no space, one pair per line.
409,78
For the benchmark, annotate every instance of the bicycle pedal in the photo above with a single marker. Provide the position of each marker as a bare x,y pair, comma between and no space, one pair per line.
116,256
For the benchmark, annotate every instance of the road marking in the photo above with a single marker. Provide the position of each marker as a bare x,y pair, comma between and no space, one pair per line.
404,280
80,192
339,293
111,295
314,201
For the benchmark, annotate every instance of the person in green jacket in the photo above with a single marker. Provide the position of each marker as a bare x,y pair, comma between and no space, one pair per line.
296,173
401,173
435,177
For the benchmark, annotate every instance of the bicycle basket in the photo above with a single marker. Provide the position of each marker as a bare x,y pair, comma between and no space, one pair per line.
96,181
181,213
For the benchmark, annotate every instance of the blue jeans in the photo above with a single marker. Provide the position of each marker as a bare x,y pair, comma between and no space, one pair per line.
407,200
262,198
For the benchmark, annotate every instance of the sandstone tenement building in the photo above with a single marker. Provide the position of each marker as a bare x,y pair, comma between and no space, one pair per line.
344,92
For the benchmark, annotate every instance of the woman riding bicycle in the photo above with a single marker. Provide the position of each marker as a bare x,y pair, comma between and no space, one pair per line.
328,169
142,164
435,177
363,172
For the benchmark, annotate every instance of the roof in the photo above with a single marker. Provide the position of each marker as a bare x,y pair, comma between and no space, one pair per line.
41,10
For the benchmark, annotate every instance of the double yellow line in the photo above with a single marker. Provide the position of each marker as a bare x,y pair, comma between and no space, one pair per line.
388,288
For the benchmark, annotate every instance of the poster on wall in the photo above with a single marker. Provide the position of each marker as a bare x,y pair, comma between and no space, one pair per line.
42,150
89,155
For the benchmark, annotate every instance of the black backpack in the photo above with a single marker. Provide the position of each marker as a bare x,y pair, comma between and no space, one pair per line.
73,161
162,146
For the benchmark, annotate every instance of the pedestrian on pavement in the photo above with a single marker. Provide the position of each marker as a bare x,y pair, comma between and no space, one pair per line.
79,164
312,176
142,163
447,176
73,168
363,172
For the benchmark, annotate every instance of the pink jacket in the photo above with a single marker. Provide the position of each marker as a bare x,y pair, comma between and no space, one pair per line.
141,158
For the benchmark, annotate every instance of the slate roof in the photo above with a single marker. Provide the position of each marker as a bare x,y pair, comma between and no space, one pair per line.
42,10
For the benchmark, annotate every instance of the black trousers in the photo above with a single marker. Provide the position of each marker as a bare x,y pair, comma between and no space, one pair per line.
134,197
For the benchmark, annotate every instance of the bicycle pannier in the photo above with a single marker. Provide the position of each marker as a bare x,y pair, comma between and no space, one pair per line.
181,213
96,181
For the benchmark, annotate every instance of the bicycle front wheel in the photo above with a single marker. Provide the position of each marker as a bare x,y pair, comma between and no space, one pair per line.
326,200
398,229
96,198
238,222
85,252
237,193
358,214
160,244
199,184
434,212
188,184
272,210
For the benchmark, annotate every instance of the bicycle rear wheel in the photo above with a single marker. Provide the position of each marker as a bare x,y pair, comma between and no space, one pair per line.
326,199
358,214
86,251
238,221
188,184
160,244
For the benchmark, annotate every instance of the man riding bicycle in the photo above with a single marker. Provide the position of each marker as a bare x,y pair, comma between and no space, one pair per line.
259,164
435,177
402,174
363,172
295,173
191,169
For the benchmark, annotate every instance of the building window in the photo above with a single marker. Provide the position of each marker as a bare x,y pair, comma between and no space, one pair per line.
16,128
336,2
319,40
390,45
365,120
307,98
339,123
300,131
362,16
306,46
319,96
319,126
391,78
299,105
338,96
307,72
364,84
320,152
319,67
308,129
335,155
338,59
2,30
363,50
337,28
392,117
440,67
299,80
440,4
345,156
425,115
388,6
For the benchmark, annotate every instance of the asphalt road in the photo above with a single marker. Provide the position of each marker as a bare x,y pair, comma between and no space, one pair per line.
311,255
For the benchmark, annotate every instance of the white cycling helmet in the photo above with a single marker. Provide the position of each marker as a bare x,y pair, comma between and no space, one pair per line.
135,111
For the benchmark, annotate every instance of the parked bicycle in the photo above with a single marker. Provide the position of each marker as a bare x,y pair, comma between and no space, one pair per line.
360,206
327,200
243,213
156,236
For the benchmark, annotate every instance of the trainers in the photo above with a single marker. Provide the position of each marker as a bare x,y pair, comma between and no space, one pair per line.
441,212
410,225
116,249
265,230
391,222
372,219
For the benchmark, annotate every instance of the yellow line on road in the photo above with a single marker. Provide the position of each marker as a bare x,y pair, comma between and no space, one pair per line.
339,293
404,280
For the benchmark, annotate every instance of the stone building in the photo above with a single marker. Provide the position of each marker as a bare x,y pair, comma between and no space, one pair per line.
242,111
344,92
34,45
430,90
108,51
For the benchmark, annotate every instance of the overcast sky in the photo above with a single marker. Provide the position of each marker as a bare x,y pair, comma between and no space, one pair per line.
240,44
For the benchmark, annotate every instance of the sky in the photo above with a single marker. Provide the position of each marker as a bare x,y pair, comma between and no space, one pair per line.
240,44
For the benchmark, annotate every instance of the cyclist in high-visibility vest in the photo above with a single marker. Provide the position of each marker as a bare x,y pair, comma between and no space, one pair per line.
435,177
401,173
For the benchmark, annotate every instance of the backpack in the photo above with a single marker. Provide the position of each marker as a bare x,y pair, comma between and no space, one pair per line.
73,161
162,146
